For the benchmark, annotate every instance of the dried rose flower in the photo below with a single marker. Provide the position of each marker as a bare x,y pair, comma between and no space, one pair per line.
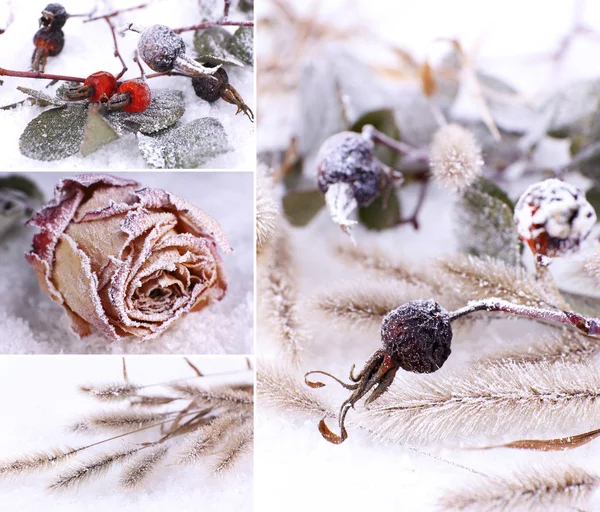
127,260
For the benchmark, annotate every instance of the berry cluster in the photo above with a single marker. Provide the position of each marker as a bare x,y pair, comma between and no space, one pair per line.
102,87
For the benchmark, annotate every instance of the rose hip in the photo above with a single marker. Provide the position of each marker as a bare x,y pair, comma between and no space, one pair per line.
99,86
131,96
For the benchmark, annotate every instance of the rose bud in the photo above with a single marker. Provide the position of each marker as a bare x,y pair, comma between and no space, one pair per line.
349,175
127,260
415,337
553,218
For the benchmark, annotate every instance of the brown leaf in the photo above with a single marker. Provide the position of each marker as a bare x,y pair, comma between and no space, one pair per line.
428,83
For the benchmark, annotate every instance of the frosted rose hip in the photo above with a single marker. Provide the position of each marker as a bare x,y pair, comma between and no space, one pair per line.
553,217
127,260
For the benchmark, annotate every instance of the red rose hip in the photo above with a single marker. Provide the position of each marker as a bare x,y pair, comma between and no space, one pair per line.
99,86
131,96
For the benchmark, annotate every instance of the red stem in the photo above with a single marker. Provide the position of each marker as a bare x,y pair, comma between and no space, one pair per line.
117,53
39,74
116,13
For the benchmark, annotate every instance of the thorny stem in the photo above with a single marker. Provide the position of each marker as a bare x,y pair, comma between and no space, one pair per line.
39,74
588,326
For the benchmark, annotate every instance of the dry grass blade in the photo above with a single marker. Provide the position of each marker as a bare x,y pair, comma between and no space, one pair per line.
487,400
267,210
151,401
238,444
279,298
552,445
35,461
383,266
119,421
138,470
559,345
364,303
90,469
208,438
555,489
217,397
280,390
111,392
483,278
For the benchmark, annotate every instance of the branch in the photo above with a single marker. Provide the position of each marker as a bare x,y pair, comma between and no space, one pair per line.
39,74
221,23
116,13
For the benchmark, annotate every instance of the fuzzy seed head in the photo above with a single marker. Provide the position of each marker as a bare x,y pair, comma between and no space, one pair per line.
553,217
455,157
417,335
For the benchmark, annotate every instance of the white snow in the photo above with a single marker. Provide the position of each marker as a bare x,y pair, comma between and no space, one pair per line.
89,48
32,323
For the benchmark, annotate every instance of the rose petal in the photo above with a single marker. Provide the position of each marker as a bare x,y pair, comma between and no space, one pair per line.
79,294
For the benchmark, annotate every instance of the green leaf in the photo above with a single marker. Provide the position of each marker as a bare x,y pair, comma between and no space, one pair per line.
166,108
42,98
213,42
485,223
383,213
54,134
98,133
384,120
301,206
241,45
186,146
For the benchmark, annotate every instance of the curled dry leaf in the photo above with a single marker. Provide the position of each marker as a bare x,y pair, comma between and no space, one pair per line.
126,260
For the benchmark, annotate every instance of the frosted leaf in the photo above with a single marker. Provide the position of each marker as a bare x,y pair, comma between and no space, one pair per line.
166,108
187,146
54,134
341,202
301,206
242,44
485,223
97,133
43,99
211,45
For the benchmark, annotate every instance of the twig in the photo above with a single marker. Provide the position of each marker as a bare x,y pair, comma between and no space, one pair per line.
39,74
414,218
226,7
117,53
116,13
220,23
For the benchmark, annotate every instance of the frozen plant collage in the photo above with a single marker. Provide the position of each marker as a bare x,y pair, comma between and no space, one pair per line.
265,255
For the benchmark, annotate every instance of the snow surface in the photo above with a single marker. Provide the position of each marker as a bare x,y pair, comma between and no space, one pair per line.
31,323
89,48
363,474
45,400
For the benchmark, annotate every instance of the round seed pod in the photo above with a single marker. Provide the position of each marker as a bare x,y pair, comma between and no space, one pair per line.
553,217
159,47
208,89
347,157
417,336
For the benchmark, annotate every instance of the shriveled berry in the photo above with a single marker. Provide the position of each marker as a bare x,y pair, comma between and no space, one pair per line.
54,17
347,157
553,218
99,86
159,47
209,89
49,42
139,93
417,336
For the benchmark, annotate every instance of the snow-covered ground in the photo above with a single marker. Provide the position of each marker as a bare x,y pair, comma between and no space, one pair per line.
32,323
512,40
45,400
89,48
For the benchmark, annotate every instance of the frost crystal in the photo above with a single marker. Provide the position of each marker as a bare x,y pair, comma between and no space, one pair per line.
554,217
455,157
